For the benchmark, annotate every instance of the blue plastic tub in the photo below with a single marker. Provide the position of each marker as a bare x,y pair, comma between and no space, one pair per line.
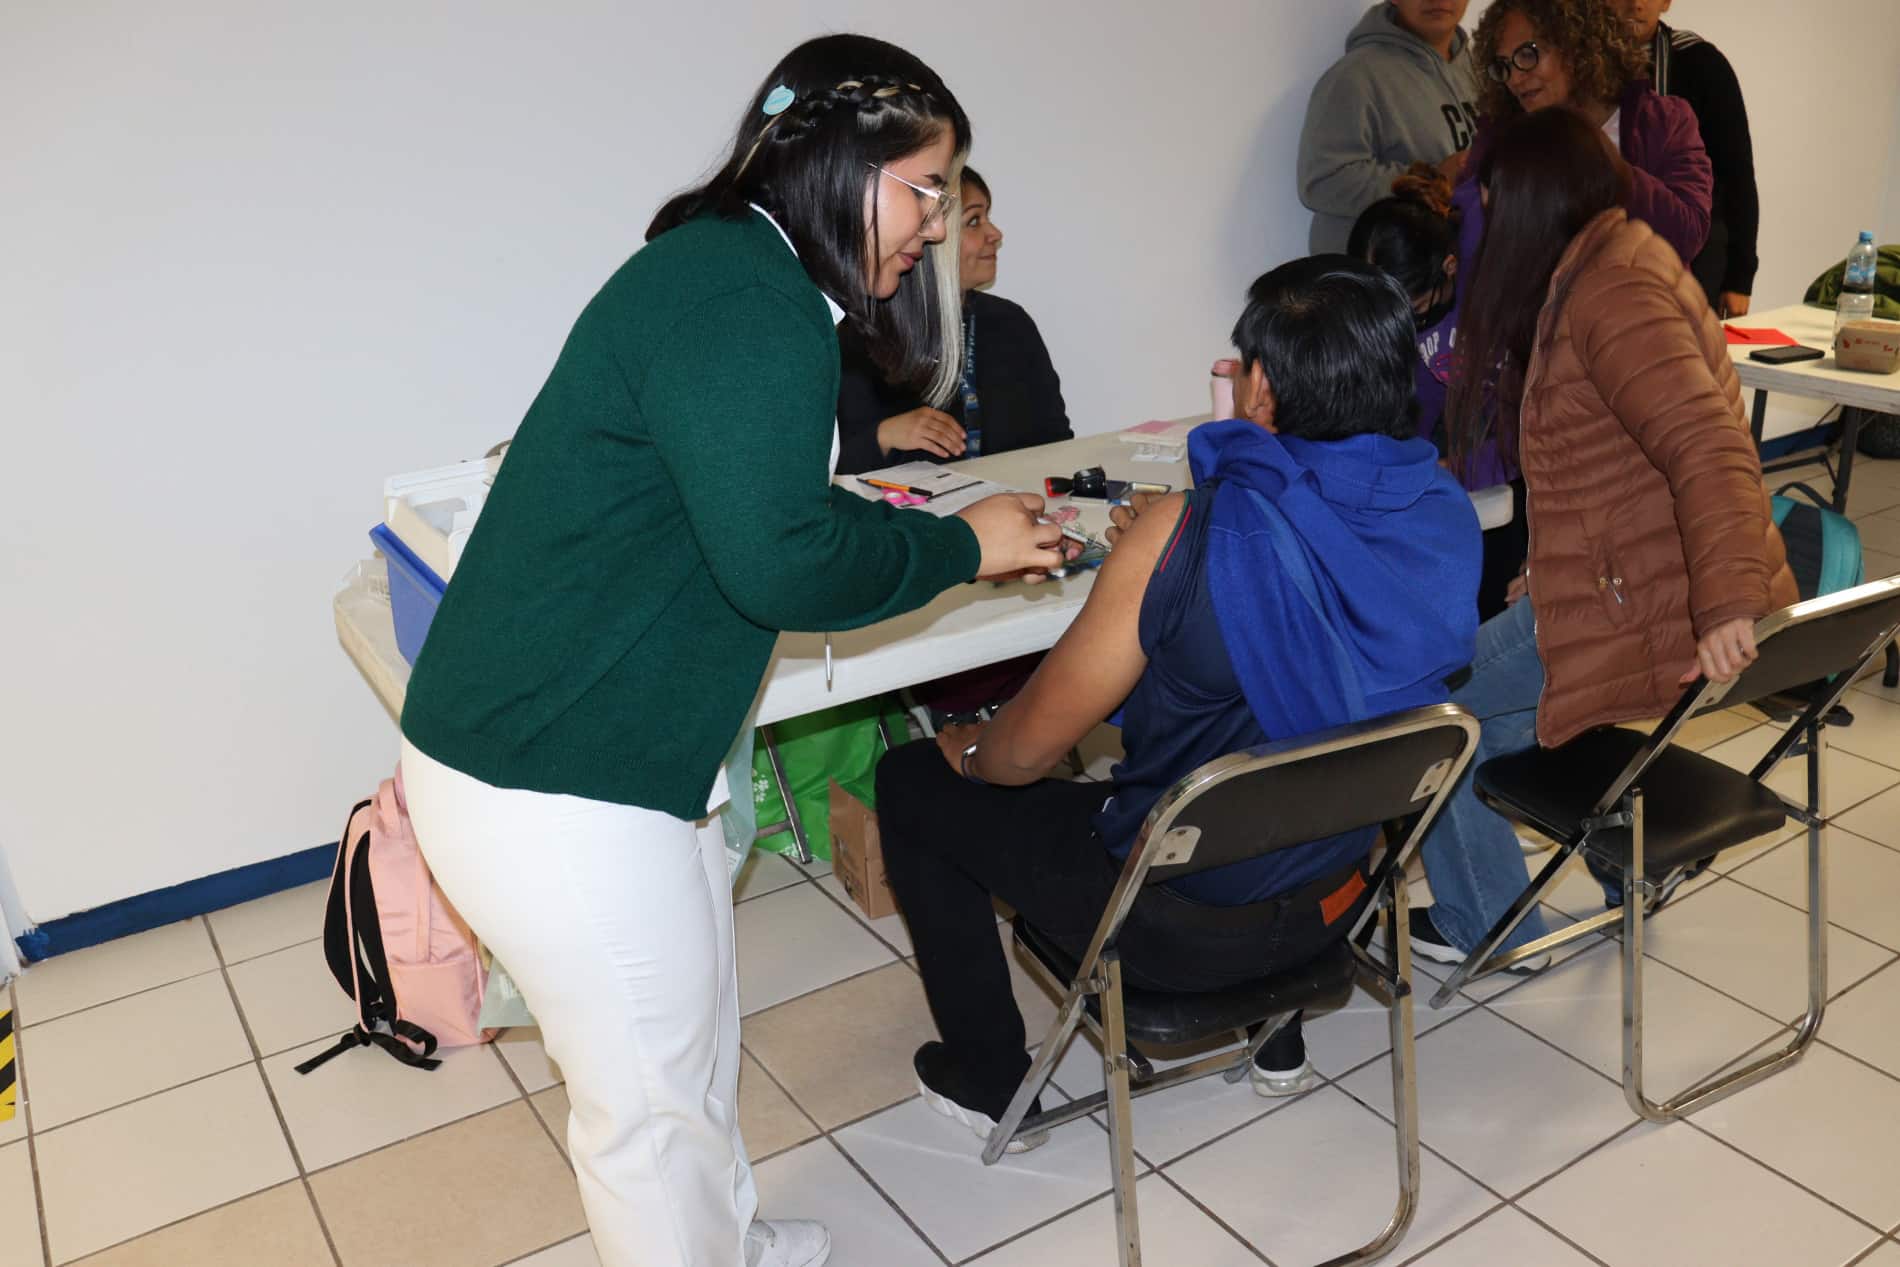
414,591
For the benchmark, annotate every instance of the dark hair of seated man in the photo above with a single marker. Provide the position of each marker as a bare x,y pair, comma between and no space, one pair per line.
1322,571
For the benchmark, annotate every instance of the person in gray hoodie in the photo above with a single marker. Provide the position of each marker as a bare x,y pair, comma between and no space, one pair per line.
1405,92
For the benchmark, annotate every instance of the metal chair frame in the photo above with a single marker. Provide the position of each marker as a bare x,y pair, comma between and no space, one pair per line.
1099,973
1621,805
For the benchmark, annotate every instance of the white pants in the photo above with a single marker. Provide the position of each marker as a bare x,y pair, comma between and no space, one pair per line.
616,922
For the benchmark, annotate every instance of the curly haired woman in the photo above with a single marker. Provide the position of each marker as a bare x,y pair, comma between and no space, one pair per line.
1579,54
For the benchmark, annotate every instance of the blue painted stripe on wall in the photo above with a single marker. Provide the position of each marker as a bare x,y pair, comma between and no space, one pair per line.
180,901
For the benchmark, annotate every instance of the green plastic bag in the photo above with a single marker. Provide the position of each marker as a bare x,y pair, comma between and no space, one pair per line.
839,743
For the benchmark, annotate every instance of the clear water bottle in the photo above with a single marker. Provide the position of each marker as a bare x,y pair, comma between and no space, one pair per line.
1857,287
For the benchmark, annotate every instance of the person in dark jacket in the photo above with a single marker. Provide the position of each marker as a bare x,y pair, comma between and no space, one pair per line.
1579,54
1225,617
1009,395
1683,64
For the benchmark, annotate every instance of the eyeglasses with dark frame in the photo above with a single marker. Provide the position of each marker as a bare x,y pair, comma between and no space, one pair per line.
1523,57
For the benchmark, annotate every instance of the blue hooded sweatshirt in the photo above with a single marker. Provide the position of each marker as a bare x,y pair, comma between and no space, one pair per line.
1340,578
1363,554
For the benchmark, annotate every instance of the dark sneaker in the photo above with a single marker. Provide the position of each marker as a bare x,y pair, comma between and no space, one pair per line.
942,1086
1280,1067
1613,882
1431,944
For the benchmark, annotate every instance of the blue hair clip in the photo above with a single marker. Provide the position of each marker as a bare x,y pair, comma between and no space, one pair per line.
779,100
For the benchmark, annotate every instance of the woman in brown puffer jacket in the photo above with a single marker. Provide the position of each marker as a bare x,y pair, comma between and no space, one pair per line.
1591,352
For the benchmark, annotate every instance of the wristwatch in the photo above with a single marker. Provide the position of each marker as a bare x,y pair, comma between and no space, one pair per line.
963,766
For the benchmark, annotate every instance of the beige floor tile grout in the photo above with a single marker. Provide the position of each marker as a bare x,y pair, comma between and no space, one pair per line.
745,1016
1599,1146
851,909
785,1091
23,1104
1581,1251
1514,1198
890,1201
140,1099
1820,1040
804,877
1013,1237
1736,875
270,1092
1783,1023
265,954
1413,1255
164,1227
1746,1054
546,1127
129,994
1163,1177
522,1258
439,1126
306,1176
1822,1197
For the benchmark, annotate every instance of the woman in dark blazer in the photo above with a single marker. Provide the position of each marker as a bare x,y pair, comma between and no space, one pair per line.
1008,398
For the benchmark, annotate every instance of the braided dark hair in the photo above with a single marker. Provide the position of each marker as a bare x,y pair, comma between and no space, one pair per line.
857,104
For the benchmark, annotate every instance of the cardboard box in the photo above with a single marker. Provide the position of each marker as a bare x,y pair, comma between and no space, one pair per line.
1873,347
857,855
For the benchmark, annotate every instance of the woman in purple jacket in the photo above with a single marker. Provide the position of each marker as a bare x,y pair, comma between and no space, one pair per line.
1579,54
1412,237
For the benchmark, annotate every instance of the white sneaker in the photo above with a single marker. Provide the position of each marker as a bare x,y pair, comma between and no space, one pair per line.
980,1124
1274,1083
787,1243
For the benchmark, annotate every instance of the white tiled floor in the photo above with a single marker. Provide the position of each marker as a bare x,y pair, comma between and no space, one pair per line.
383,1096
159,1131
798,940
145,1164
168,1125
289,998
1674,1195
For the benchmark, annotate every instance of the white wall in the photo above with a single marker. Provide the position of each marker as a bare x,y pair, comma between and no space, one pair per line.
255,257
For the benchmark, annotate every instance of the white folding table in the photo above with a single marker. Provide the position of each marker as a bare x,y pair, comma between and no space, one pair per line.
1858,394
965,627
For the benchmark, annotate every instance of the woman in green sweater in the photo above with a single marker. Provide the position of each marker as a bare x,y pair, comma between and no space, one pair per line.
666,509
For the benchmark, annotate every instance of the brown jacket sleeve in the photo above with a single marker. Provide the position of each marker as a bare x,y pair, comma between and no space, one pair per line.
1648,356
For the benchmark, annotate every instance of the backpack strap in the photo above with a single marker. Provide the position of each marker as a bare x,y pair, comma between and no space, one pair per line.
336,915
377,1004
360,1037
1806,491
353,947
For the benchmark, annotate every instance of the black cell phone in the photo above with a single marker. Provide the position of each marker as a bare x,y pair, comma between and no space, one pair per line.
1786,355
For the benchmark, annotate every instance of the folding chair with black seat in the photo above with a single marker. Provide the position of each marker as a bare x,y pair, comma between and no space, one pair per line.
1395,771
1640,808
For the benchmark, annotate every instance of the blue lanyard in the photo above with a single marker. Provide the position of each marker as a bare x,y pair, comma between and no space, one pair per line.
967,381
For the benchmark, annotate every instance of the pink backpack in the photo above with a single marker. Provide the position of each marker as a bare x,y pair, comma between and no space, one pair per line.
395,944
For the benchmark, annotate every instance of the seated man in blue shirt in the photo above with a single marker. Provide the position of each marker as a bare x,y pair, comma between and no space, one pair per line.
1324,570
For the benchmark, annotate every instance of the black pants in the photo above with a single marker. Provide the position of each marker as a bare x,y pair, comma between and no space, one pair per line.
950,845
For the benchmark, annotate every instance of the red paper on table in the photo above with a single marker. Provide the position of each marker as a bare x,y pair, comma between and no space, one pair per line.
1762,338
